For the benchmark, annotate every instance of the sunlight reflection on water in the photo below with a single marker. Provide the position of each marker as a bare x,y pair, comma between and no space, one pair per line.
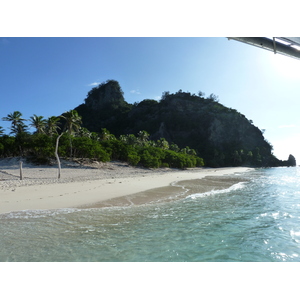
258,221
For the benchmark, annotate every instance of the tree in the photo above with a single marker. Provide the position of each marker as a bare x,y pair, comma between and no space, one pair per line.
129,139
236,158
56,154
143,137
249,157
165,95
83,132
106,135
174,147
257,156
201,94
188,150
39,123
19,129
162,143
1,131
52,125
213,97
73,121
17,122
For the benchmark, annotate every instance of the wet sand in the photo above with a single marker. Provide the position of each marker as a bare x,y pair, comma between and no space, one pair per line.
102,184
176,190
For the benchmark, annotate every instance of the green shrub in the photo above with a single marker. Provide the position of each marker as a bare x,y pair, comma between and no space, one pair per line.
85,147
149,161
199,162
165,165
133,159
10,147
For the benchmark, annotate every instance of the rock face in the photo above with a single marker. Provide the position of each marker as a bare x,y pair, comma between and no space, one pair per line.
221,135
104,107
291,162
106,93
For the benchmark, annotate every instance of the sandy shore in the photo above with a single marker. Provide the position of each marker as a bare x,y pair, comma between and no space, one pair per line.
100,184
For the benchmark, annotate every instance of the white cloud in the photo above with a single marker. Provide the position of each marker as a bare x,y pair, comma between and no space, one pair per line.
157,98
135,92
94,83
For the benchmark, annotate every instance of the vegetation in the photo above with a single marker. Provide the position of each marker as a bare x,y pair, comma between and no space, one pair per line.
17,123
179,131
220,135
74,141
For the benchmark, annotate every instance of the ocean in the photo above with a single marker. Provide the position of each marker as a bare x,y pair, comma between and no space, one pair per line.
256,220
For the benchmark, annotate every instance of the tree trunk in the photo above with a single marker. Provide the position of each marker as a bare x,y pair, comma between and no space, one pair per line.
56,155
21,170
71,147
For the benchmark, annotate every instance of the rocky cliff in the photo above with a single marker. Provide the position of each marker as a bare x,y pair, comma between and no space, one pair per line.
221,135
108,93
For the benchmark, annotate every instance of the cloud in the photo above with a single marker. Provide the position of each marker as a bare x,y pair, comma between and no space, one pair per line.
94,83
157,98
137,92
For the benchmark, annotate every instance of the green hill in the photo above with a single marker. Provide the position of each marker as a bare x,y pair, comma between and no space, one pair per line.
220,135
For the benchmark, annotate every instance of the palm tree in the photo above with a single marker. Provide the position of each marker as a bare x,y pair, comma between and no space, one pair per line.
52,125
83,132
56,154
1,131
18,129
73,121
39,123
17,122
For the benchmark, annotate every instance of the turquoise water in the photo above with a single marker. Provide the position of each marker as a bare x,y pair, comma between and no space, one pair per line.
255,221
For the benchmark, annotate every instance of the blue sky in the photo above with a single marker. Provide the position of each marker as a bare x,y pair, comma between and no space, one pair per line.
48,76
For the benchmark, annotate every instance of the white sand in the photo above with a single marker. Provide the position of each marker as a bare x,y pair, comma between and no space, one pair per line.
84,184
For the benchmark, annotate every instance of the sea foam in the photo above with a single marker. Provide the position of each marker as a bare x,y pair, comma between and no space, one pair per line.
234,187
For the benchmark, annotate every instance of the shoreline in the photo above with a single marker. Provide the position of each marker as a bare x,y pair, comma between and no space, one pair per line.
174,191
103,185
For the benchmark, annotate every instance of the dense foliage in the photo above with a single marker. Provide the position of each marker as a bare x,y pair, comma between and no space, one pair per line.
220,135
78,142
173,132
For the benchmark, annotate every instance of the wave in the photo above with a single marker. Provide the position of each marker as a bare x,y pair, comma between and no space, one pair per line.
234,187
36,213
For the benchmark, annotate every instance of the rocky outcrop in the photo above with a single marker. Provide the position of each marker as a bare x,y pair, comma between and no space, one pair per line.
291,162
109,92
221,135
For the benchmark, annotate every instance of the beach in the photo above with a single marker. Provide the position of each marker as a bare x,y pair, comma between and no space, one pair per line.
95,184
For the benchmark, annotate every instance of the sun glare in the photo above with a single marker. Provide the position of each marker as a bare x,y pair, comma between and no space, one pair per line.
287,66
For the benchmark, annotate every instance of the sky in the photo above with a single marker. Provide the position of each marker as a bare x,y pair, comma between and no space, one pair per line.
50,75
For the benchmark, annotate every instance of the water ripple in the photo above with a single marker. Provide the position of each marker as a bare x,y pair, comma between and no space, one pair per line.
257,220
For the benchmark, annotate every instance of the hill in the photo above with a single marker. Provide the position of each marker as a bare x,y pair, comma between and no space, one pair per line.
220,135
